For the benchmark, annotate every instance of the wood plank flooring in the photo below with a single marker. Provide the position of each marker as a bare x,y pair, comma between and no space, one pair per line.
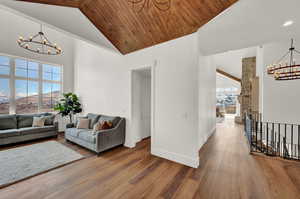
226,171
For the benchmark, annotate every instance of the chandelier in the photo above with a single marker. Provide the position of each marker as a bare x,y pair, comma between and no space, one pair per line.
39,43
286,68
139,5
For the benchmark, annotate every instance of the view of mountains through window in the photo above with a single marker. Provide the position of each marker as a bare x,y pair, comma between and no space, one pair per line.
28,86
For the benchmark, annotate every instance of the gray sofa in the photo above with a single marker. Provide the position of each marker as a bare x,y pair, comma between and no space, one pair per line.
18,128
101,140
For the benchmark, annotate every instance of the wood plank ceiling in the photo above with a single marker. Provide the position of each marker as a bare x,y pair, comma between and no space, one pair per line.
130,30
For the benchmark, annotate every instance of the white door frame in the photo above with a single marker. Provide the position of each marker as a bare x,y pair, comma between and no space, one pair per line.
134,137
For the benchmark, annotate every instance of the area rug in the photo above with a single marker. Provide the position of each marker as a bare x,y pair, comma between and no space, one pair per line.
23,162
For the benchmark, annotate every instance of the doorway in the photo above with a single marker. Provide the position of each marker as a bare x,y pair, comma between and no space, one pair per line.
141,103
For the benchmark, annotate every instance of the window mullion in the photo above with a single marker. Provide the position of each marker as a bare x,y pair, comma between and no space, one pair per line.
40,105
12,90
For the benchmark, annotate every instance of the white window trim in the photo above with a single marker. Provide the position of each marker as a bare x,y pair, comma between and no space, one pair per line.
12,78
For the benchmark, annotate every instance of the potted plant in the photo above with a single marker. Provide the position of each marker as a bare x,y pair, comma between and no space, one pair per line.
69,105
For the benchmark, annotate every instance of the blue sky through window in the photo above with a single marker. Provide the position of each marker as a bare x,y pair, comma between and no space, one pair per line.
28,69
4,89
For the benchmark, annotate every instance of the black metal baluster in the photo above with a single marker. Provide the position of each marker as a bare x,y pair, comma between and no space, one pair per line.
284,142
261,135
279,142
292,141
267,138
298,142
256,126
275,142
272,142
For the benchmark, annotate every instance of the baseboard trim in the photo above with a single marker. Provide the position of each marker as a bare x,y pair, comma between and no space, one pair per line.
182,159
129,145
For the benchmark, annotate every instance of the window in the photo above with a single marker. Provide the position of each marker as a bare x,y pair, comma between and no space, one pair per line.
4,96
28,86
4,65
27,98
51,86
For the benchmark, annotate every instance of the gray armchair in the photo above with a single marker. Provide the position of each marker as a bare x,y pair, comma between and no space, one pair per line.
101,140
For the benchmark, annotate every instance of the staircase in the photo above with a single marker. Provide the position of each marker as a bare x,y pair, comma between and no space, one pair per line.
273,139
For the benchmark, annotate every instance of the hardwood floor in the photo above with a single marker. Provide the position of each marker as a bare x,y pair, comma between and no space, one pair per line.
226,171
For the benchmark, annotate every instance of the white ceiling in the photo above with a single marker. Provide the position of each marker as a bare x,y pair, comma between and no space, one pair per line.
250,23
231,61
66,19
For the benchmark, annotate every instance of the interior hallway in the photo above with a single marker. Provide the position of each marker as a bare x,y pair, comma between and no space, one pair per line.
227,171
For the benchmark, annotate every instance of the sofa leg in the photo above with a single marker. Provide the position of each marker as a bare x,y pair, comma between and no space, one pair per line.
98,154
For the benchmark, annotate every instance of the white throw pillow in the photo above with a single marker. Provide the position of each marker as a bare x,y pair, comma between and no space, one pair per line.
38,122
83,123
97,127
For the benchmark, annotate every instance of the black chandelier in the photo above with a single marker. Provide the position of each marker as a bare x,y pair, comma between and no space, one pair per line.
139,5
39,43
286,68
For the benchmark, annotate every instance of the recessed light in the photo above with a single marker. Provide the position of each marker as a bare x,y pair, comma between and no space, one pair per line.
288,23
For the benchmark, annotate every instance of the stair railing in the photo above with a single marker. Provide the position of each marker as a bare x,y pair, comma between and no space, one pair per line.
273,139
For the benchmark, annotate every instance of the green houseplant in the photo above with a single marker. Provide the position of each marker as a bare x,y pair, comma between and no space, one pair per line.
69,105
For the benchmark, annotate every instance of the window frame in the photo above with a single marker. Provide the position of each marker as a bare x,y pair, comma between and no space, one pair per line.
12,80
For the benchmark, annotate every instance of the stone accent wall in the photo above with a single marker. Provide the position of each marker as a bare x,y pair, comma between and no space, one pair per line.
248,76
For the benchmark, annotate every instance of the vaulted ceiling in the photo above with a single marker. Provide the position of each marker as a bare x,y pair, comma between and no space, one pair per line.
130,30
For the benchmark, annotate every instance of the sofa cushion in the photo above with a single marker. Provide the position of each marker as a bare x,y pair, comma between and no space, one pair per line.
49,120
94,119
78,118
87,136
73,131
114,120
83,123
35,130
26,120
9,133
38,122
8,122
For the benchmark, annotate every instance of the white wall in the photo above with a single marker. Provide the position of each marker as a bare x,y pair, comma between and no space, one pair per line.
280,98
260,69
207,98
231,61
102,80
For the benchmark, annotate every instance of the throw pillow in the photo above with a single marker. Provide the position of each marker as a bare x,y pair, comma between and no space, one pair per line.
106,125
97,127
102,126
49,120
38,122
83,123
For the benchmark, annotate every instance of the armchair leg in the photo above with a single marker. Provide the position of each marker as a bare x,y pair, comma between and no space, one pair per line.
98,154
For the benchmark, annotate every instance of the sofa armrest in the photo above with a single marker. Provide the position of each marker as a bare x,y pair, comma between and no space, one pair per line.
70,125
56,125
111,137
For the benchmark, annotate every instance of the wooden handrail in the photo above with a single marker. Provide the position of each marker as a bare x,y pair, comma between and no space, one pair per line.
229,75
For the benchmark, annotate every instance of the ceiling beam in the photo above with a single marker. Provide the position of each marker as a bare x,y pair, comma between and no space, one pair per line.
229,75
66,3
